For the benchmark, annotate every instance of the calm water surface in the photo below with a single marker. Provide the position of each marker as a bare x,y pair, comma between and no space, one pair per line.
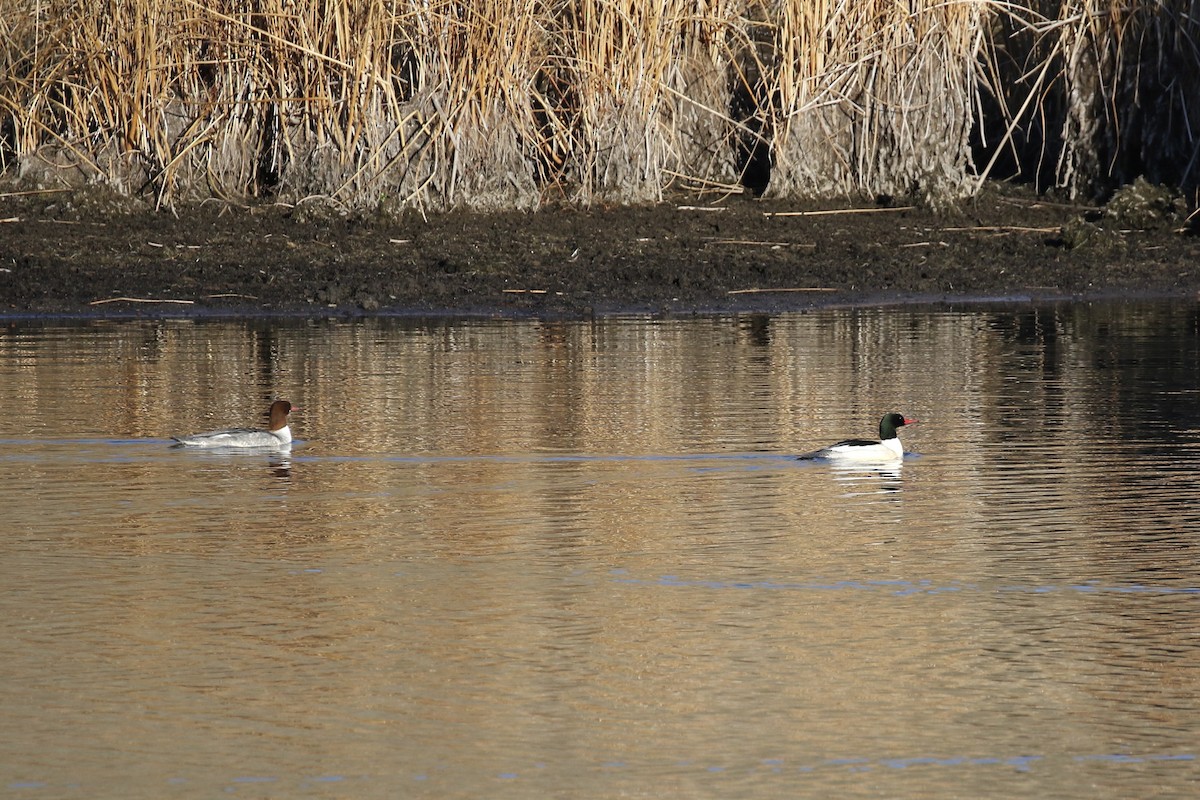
528,559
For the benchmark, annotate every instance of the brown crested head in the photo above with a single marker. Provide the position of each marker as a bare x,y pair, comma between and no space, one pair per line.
279,414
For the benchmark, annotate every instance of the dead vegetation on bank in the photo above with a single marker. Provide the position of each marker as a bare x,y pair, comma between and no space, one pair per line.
513,103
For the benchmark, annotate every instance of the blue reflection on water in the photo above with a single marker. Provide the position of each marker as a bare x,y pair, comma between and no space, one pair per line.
904,587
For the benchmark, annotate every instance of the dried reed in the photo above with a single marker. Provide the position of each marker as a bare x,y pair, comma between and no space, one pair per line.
1089,94
484,103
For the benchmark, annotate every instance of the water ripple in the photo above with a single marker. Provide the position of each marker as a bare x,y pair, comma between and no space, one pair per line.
904,588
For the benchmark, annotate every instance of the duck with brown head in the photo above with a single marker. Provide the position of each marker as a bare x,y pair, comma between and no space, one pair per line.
277,435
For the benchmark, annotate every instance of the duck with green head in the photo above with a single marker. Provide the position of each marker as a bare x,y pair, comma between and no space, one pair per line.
886,448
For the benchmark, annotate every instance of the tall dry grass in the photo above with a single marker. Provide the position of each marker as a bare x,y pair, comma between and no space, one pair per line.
872,96
484,103
1132,78
1087,95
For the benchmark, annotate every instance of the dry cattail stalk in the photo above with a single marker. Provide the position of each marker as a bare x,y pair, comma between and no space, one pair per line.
485,103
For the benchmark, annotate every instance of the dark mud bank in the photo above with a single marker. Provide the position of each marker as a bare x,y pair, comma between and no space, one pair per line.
70,254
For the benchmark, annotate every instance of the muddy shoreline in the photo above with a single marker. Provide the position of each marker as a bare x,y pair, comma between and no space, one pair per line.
78,254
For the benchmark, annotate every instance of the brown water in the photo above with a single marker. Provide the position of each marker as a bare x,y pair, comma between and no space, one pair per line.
524,559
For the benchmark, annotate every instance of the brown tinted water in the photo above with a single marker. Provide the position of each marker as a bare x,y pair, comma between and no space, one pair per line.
525,559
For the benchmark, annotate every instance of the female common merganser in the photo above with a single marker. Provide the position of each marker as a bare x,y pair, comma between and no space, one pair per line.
277,435
887,449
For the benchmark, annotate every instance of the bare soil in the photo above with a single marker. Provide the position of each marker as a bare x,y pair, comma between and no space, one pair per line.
77,253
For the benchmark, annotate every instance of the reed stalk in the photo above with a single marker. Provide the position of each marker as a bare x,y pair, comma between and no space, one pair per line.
1087,95
512,103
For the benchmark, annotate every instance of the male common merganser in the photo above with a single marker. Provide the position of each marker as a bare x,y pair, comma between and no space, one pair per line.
887,449
277,435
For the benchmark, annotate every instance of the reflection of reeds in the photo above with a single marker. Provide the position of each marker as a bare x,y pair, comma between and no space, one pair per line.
509,102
